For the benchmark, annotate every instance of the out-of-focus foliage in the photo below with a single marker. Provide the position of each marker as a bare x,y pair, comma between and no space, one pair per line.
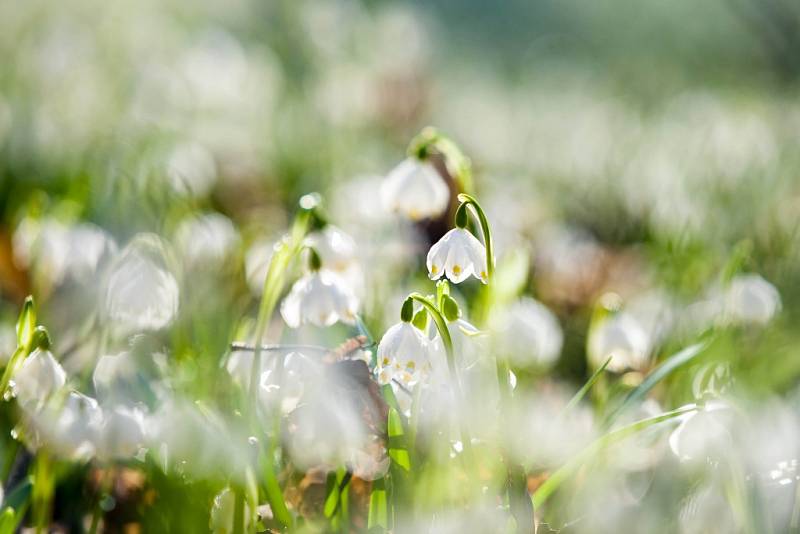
638,163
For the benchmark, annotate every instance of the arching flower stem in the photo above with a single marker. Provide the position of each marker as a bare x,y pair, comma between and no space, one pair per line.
468,200
447,341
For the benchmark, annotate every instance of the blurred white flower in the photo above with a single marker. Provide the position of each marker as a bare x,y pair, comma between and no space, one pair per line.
206,241
122,433
39,377
751,299
336,249
527,333
321,298
141,293
703,434
623,338
191,170
110,371
70,429
404,355
458,254
415,189
57,252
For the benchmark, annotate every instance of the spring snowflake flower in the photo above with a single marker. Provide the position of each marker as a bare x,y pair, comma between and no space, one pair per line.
415,189
624,339
751,299
705,433
141,293
527,333
336,249
69,429
458,254
122,433
38,378
321,298
404,355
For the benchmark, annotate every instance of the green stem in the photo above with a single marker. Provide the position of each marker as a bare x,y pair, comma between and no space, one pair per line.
447,341
469,200
273,287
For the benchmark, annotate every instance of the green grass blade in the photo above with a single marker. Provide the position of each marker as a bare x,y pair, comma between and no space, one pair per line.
564,472
587,386
657,375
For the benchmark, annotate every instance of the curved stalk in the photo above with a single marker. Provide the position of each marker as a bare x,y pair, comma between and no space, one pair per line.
447,341
469,200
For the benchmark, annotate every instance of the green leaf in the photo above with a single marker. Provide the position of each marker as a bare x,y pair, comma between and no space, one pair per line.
8,521
511,276
378,513
398,446
420,320
587,386
26,324
657,375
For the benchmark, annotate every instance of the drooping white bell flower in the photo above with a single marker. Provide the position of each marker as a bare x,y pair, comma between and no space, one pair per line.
623,338
207,240
336,249
122,433
751,299
39,376
415,189
320,297
191,170
703,434
69,428
458,254
404,355
338,253
527,333
111,371
141,292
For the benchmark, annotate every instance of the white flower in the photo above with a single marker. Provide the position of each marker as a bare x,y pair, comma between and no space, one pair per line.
624,339
39,376
336,249
704,433
751,299
320,298
207,240
404,354
122,433
112,371
458,254
415,189
527,333
191,170
338,253
141,293
69,429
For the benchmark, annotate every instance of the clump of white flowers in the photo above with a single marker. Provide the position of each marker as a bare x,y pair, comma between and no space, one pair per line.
320,298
